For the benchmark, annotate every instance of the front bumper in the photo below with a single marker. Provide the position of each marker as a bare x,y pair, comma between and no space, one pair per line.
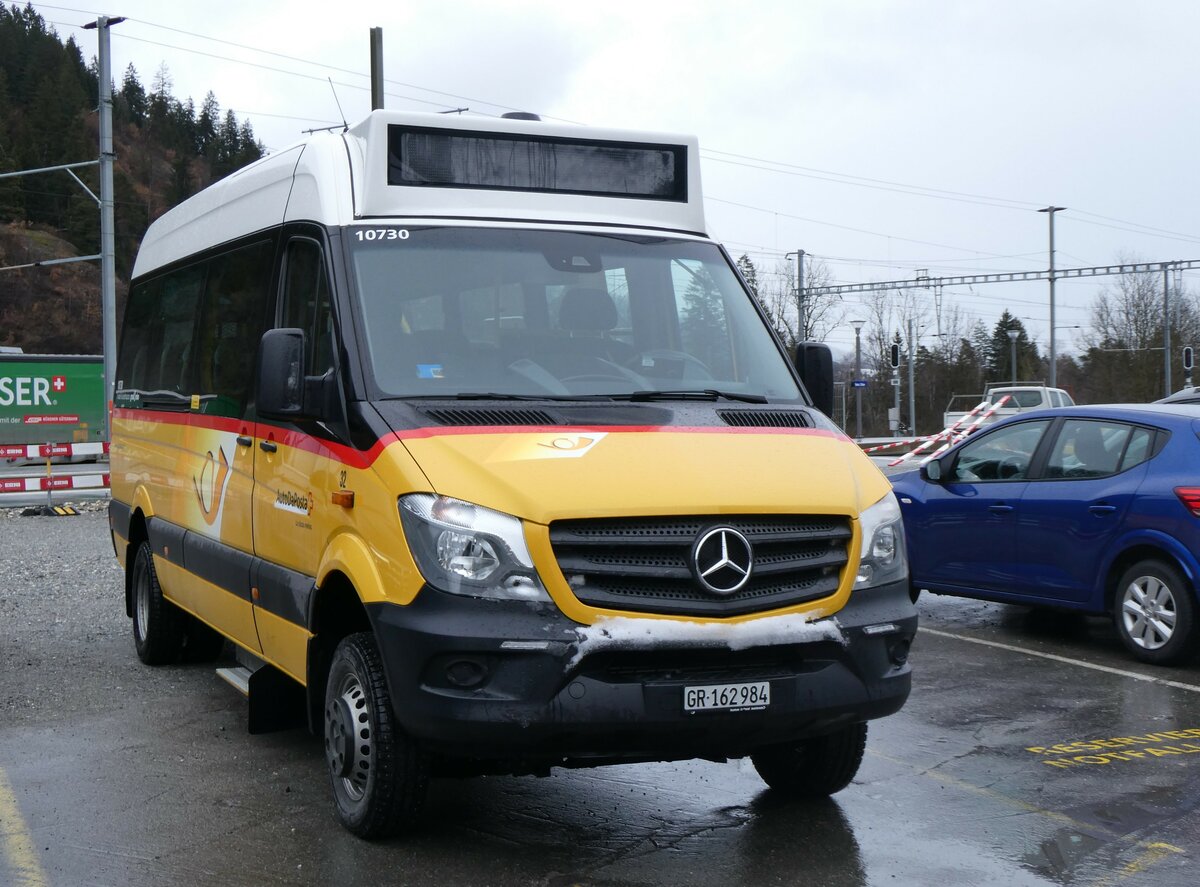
505,681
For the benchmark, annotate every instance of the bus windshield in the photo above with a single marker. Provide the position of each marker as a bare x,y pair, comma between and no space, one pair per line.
533,313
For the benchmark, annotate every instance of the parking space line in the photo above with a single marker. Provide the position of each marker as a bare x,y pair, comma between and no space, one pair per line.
1192,688
16,843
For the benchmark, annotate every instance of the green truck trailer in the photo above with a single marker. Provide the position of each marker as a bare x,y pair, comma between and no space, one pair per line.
50,399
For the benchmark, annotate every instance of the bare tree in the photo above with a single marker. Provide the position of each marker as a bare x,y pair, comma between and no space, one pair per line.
822,311
1124,361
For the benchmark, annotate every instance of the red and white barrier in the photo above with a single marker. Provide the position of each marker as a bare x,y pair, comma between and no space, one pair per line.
50,482
46,451
892,444
952,434
61,482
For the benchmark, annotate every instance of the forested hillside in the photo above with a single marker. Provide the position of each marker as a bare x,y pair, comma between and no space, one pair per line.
166,149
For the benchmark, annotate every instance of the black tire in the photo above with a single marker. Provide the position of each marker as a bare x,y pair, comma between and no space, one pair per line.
1155,614
913,592
816,767
201,643
379,775
157,623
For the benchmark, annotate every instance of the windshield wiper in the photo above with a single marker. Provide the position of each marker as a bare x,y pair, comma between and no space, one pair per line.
694,394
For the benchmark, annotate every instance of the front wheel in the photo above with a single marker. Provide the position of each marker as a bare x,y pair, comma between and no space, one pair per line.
157,623
379,776
816,767
1154,613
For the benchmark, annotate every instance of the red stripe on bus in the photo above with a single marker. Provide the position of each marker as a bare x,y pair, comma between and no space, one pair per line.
365,458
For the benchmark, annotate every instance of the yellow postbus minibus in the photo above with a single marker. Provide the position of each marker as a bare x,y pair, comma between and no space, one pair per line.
481,453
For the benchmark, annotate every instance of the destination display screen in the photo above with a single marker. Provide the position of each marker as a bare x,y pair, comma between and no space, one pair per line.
520,162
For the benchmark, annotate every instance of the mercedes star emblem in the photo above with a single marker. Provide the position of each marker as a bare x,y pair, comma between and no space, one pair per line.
722,560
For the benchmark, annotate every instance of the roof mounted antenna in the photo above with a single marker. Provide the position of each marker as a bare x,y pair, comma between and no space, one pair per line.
345,125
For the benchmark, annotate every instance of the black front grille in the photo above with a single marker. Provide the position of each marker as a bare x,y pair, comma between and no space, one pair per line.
643,565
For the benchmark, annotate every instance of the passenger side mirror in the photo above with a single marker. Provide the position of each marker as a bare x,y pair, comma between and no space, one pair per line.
814,363
932,471
281,374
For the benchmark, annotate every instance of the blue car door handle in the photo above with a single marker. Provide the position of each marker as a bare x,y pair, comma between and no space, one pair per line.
1101,510
1000,508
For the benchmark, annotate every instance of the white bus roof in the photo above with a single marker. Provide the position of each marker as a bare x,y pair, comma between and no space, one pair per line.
398,165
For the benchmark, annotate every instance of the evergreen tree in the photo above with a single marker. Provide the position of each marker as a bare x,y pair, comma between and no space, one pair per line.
206,127
1029,361
133,96
749,272
12,205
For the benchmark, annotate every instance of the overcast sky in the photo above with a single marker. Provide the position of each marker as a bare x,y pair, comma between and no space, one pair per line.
881,136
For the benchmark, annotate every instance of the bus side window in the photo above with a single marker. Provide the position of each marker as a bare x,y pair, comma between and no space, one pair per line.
230,326
138,367
305,303
156,363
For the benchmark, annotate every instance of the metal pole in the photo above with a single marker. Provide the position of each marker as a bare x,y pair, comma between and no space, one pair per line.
894,426
857,377
1166,330
376,68
108,265
1050,211
802,319
912,391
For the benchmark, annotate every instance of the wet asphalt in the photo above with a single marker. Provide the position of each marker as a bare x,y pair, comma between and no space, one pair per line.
1032,751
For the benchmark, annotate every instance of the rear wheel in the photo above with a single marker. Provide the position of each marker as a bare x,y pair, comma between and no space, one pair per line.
1154,613
816,767
157,623
379,776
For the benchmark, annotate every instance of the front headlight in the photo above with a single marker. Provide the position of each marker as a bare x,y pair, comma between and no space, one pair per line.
468,549
883,558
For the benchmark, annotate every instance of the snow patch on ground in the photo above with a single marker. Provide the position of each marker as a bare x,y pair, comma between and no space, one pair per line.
623,632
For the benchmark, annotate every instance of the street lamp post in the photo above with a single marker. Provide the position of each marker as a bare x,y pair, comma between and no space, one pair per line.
858,325
1012,347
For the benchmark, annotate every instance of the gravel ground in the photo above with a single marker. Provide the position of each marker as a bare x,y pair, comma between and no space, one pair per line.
62,615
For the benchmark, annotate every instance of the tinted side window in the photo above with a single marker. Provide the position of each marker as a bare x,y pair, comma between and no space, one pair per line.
156,364
1139,448
137,370
1000,455
306,303
1089,448
229,327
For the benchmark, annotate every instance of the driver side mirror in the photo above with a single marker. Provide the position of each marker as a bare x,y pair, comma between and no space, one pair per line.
281,374
814,363
932,471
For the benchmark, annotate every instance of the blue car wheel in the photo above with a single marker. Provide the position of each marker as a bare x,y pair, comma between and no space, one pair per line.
1154,613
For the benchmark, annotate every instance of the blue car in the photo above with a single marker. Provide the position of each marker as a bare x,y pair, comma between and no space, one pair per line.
1093,508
